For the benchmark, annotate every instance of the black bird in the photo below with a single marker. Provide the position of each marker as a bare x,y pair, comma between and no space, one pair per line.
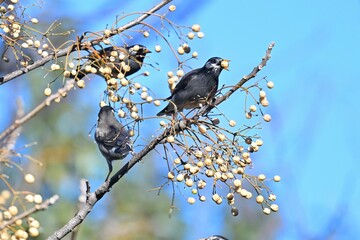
113,140
126,60
196,87
216,237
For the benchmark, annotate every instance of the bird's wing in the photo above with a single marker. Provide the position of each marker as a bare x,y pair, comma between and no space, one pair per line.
185,80
117,136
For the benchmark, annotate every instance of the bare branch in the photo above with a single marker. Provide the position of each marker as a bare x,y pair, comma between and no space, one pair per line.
19,122
73,47
94,197
36,208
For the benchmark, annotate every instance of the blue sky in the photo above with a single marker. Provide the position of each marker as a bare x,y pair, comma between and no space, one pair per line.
313,137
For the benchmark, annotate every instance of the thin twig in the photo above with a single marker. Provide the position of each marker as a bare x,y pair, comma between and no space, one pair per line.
36,208
19,122
94,197
67,50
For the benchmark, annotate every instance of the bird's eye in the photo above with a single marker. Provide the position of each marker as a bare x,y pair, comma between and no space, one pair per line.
213,61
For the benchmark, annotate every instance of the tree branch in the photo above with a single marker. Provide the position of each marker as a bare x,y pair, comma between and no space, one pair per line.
94,197
63,52
20,121
36,208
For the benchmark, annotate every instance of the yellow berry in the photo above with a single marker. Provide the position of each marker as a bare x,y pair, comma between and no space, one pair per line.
34,223
195,28
274,207
47,91
33,232
146,34
162,123
24,45
170,74
232,123
266,211
157,103
107,32
172,8
80,83
252,108
261,177
277,178
209,173
34,20
259,199
38,199
29,178
270,84
259,142
267,117
134,115
179,177
181,50
131,132
221,137
194,54
216,197
29,198
158,48
102,104
207,162
171,175
191,200
170,139
18,222
37,43
272,197
200,34
180,73
202,129
189,182
121,113
225,64
262,94
144,95
21,234
13,210
264,102
177,160
191,35
202,198
149,99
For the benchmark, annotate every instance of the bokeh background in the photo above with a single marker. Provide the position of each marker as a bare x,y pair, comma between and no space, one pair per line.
311,141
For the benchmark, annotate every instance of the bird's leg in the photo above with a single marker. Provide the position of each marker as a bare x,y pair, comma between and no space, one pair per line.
110,169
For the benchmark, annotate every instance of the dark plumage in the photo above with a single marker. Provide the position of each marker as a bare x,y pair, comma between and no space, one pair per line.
113,140
132,56
196,87
216,237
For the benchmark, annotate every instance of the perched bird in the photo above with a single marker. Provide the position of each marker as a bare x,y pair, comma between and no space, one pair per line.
196,87
111,61
113,140
216,237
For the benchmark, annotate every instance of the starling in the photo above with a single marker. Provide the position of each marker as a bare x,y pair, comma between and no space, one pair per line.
113,140
216,237
126,60
196,87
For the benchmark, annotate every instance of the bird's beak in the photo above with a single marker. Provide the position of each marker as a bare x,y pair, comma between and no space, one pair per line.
147,50
225,64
